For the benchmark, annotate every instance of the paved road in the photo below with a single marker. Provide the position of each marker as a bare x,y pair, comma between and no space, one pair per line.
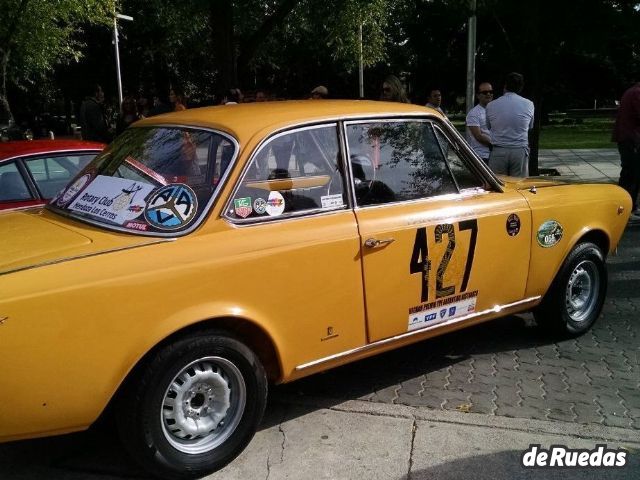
509,368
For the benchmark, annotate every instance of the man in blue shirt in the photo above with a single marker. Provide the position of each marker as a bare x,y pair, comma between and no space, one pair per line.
509,119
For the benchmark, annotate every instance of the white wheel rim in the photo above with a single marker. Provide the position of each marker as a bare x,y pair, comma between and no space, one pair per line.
203,405
582,291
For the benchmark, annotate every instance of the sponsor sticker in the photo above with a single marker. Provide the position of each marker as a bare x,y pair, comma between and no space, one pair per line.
259,205
136,226
171,207
549,234
242,206
513,225
73,189
275,204
332,201
442,310
116,200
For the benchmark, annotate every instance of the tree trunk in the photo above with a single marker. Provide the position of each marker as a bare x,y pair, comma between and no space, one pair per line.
5,110
222,24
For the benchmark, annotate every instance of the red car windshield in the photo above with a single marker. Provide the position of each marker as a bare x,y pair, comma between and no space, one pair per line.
154,180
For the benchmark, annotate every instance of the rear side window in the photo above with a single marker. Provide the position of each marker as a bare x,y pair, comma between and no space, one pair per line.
292,173
12,185
397,161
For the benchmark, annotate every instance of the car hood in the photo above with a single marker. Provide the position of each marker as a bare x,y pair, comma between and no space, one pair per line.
37,237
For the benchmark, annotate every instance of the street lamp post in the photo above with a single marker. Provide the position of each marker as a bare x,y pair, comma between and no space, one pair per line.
471,56
360,65
115,42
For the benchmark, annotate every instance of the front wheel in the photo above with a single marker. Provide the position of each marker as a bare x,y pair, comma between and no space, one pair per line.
193,407
576,296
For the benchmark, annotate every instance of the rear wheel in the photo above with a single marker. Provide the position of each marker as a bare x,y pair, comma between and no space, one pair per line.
576,296
194,406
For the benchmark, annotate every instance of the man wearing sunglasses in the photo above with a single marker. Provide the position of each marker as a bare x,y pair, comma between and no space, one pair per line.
478,134
509,119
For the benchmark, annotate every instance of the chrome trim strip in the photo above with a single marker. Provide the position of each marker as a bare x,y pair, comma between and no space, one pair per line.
87,255
353,351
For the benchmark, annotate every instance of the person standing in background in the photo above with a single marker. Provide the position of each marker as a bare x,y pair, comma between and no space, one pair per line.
478,134
434,100
626,133
509,119
92,117
393,90
177,100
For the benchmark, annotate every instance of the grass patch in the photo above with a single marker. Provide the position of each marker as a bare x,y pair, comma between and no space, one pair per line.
585,133
590,133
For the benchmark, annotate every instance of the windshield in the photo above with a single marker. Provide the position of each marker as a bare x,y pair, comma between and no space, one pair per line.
155,180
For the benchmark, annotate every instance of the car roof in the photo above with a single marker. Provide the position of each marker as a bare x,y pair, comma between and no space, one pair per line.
246,119
18,148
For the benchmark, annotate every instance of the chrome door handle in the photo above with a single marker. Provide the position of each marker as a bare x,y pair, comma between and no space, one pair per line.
374,242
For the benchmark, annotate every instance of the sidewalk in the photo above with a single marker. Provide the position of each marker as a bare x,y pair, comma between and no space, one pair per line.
313,439
597,165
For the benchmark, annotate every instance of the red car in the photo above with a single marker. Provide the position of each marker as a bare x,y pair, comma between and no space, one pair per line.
31,172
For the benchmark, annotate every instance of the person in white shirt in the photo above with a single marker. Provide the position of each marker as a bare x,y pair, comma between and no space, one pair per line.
509,119
478,134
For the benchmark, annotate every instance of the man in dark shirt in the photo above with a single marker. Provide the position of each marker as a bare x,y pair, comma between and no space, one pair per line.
627,134
94,126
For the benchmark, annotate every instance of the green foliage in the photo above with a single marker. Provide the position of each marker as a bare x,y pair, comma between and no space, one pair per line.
35,35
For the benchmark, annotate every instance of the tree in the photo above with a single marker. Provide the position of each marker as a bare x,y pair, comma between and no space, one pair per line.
35,35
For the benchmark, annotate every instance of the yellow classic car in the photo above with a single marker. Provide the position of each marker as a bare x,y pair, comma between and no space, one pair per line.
209,252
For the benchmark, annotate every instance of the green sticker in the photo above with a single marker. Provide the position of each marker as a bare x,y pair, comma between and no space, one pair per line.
242,206
549,234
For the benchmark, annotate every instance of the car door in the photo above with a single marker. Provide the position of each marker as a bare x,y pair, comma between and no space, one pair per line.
439,243
295,237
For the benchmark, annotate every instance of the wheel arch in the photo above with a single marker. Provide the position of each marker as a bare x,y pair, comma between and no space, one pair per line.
596,236
241,329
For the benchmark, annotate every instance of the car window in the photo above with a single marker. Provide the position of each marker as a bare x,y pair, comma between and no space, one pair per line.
397,161
465,177
291,173
12,185
51,174
159,180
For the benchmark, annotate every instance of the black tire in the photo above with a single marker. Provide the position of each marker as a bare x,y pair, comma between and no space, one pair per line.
212,378
576,296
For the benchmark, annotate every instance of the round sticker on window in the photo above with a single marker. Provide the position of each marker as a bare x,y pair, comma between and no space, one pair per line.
259,205
275,204
171,207
549,233
73,190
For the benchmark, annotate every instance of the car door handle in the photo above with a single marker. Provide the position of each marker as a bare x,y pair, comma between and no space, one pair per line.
374,242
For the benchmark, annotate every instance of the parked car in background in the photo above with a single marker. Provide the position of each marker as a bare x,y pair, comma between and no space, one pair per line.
31,172
208,252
